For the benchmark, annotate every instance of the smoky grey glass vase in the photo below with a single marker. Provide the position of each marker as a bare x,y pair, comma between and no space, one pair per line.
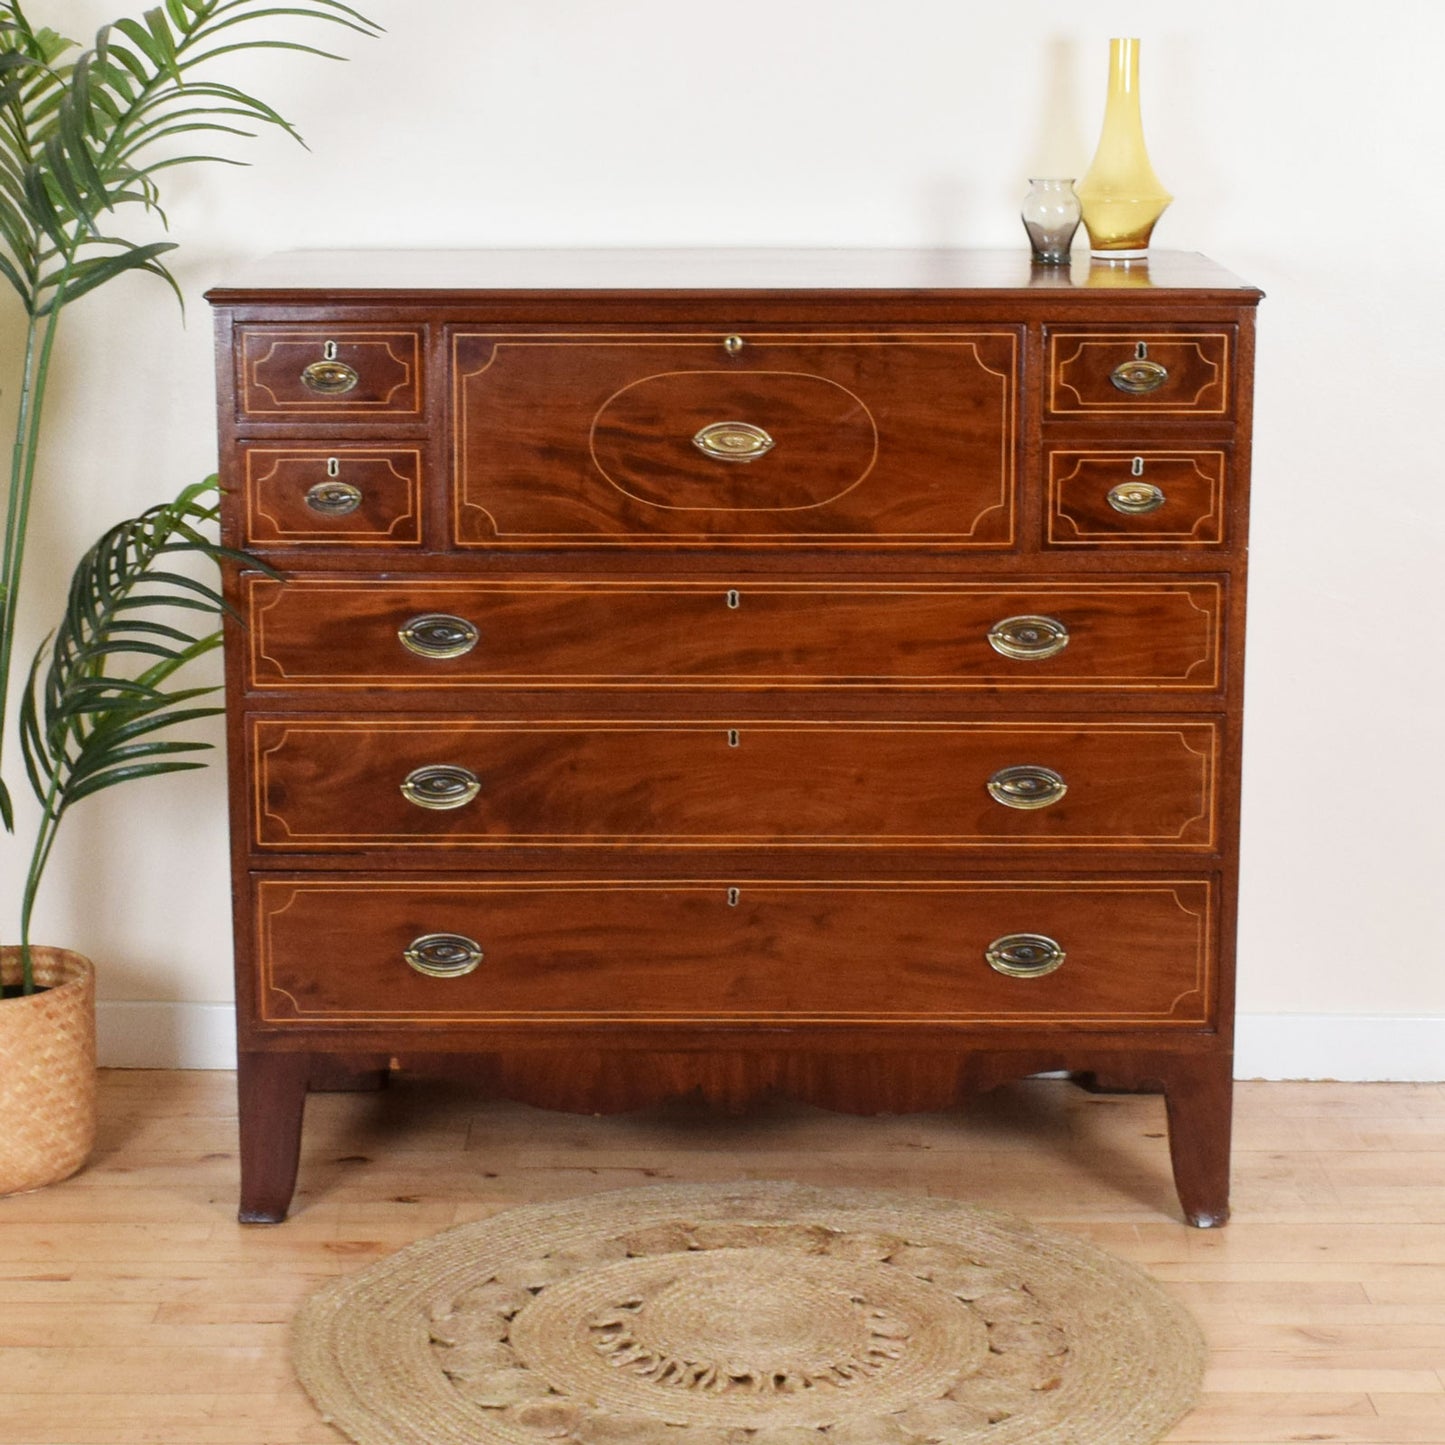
1051,215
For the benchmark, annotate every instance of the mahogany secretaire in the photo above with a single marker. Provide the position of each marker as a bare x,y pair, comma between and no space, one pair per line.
803,671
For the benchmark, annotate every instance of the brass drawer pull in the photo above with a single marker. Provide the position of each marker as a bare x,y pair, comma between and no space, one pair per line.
733,441
1139,376
329,378
438,635
1134,499
1024,955
1027,786
333,499
440,787
1029,638
443,955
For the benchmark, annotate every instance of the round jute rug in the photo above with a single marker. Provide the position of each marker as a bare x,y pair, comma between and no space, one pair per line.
749,1314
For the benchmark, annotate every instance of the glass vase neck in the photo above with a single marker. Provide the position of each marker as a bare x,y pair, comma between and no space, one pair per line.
1123,132
1123,68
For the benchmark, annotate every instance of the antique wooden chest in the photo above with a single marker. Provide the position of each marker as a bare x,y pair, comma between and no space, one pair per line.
802,671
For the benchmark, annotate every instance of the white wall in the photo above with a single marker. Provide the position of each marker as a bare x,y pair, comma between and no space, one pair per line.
1303,146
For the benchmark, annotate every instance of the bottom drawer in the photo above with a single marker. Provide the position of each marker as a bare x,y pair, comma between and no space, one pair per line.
1103,953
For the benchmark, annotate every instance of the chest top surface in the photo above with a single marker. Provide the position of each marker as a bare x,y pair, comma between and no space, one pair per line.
913,273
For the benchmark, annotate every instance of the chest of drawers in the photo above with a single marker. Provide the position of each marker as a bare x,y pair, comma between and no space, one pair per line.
800,672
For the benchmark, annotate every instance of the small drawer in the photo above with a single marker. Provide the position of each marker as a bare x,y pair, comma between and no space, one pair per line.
1143,373
349,784
329,372
405,633
298,496
1097,953
1136,498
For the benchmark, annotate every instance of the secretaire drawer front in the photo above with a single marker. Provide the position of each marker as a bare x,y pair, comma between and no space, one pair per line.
1106,954
1148,498
1140,373
324,784
301,495
327,632
830,440
326,372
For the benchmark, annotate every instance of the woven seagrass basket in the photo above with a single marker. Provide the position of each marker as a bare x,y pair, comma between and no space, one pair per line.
47,1070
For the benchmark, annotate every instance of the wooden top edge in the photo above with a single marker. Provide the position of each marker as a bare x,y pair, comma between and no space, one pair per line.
917,274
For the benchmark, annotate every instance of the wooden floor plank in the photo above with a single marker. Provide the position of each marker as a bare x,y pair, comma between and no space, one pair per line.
135,1311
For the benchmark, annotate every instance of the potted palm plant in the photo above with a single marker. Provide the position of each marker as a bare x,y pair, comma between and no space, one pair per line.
84,135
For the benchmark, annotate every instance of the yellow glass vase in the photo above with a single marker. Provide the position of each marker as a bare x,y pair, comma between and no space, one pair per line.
1122,198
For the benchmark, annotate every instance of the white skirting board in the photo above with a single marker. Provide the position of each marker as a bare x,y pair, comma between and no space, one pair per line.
165,1035
1391,1048
1267,1046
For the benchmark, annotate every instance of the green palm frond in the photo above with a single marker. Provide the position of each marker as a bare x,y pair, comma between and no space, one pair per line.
102,683
101,690
83,134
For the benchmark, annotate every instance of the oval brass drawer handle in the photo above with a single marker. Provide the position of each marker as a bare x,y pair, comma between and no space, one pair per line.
1027,786
438,635
1139,376
440,787
733,441
333,499
1029,638
443,955
1025,955
1134,499
329,378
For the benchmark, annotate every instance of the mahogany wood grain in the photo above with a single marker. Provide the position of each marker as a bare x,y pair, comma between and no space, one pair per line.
328,280
1084,372
1137,953
1191,514
272,1094
566,440
1199,1095
328,631
274,361
773,675
279,486
327,783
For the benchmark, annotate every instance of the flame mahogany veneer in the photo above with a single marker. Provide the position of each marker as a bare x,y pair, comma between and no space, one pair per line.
736,672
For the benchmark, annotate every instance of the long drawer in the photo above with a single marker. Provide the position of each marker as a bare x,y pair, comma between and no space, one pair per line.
1105,953
330,632
758,438
338,783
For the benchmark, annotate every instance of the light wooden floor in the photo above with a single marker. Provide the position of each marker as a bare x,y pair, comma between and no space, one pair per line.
134,1309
